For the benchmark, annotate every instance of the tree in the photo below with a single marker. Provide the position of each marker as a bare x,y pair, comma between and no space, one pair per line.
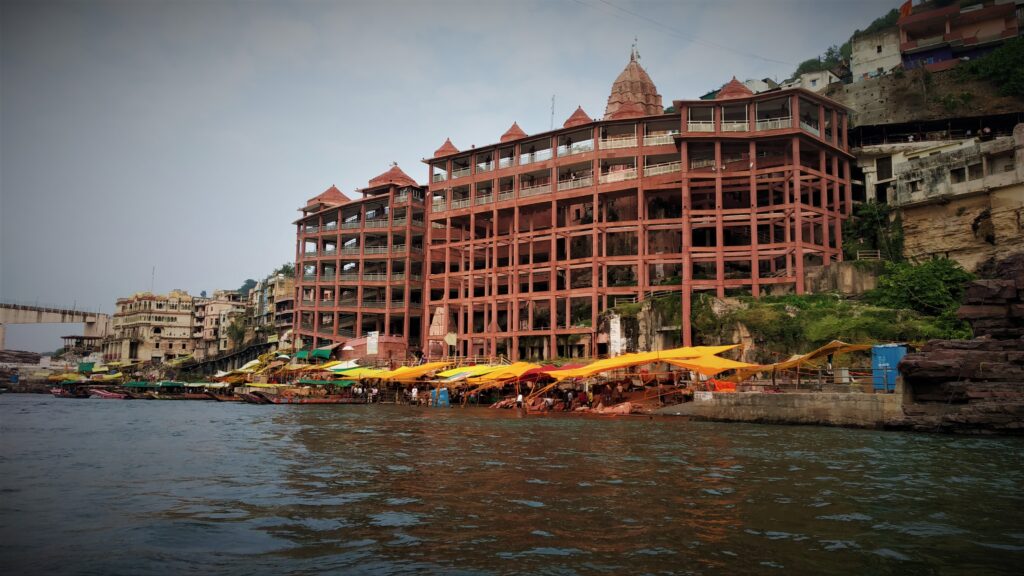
248,285
287,270
934,287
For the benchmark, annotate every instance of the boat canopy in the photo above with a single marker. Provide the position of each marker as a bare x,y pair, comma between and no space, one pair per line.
507,372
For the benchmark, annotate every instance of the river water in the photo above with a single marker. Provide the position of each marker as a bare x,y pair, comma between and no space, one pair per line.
151,487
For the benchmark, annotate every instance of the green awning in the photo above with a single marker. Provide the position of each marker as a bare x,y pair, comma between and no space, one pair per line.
171,384
344,383
140,385
302,355
84,367
321,353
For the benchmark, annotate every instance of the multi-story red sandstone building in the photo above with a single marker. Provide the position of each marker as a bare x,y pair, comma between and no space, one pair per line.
359,272
531,239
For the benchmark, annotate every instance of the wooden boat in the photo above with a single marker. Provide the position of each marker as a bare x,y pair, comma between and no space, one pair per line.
251,398
108,395
179,396
70,390
223,397
298,399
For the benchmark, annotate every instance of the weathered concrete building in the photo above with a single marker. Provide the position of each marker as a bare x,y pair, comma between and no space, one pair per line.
212,318
875,54
963,201
532,238
151,327
271,305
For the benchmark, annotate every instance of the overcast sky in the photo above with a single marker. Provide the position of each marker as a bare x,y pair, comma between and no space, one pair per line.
184,135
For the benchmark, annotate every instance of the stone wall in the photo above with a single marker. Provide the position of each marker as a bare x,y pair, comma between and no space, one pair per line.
995,308
848,278
821,408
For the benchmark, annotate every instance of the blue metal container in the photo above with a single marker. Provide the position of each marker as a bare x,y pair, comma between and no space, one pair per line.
884,359
441,398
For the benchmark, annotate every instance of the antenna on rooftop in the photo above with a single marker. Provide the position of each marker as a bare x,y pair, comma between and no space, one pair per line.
152,278
552,126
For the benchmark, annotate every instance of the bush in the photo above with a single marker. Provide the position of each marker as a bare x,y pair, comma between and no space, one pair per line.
934,287
1003,67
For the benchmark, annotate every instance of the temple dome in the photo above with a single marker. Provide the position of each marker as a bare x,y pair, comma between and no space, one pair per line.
633,86
446,148
393,176
578,118
514,132
733,89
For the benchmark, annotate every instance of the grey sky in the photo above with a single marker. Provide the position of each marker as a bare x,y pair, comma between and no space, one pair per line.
184,135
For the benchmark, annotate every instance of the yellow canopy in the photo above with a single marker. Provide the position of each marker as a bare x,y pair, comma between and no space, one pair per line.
833,347
263,385
508,372
709,365
468,371
410,373
361,373
638,358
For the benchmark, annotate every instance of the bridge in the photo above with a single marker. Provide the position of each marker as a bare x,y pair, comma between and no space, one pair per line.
96,324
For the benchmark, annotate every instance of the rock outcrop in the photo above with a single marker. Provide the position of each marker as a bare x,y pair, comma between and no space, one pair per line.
995,308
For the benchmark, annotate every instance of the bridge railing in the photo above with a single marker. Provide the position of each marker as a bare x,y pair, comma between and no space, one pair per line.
46,306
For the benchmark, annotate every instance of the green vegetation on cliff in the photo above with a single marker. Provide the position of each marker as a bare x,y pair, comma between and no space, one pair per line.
913,303
1003,67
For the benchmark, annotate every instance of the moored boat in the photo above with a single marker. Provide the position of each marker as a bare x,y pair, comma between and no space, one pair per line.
108,394
70,390
291,398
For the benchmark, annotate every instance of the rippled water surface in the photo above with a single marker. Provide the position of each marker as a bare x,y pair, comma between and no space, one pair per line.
150,487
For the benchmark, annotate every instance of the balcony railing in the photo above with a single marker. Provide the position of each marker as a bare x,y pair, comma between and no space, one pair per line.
311,229
306,326
461,172
439,177
737,126
618,142
576,148
398,222
327,302
309,277
618,176
775,123
485,199
307,301
659,139
402,197
398,276
505,162
700,126
534,190
325,330
811,127
438,205
538,156
326,276
701,163
370,277
575,183
459,203
309,253
350,250
348,302
417,222
398,249
348,277
375,250
374,303
664,168
328,252
380,223
350,225
485,166
502,196
347,332
330,226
